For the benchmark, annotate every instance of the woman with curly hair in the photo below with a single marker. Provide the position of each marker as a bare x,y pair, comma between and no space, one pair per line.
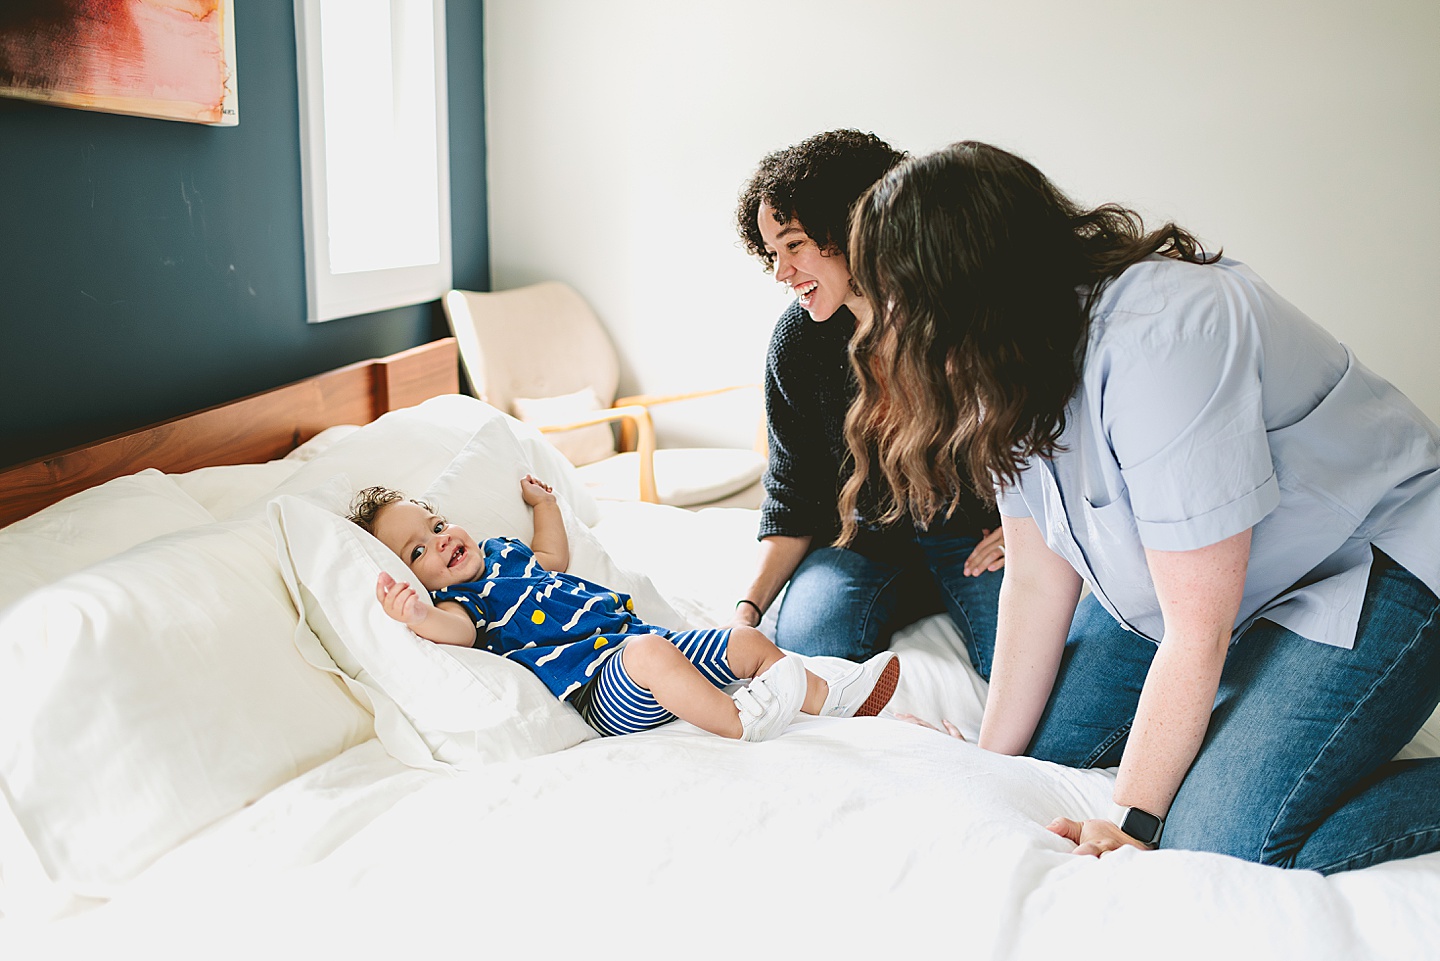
1256,511
794,216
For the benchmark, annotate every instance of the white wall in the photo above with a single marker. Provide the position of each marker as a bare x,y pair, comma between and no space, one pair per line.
1302,135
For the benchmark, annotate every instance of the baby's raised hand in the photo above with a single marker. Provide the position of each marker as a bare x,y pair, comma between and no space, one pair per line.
534,491
399,600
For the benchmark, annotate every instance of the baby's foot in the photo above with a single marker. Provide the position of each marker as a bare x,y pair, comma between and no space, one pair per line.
770,702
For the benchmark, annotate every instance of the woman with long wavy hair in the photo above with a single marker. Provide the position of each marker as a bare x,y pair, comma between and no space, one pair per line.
1255,510
794,217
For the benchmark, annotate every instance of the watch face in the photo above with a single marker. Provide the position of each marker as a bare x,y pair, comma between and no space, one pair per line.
1141,825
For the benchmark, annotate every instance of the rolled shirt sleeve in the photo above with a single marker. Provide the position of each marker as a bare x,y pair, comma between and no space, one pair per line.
1208,405
1180,401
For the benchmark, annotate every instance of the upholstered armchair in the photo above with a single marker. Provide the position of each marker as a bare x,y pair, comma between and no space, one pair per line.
541,354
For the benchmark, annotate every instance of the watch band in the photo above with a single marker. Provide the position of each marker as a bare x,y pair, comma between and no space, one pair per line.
1141,825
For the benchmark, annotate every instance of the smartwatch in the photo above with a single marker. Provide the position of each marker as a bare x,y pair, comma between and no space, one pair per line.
1141,825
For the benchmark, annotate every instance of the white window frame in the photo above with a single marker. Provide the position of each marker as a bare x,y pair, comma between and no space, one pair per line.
330,295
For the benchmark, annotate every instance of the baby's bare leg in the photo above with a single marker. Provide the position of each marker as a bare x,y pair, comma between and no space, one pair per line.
751,653
658,666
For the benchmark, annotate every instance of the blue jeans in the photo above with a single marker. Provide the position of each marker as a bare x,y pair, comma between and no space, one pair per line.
845,603
1295,769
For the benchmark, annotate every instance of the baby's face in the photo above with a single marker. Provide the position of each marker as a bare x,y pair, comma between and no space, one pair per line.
440,554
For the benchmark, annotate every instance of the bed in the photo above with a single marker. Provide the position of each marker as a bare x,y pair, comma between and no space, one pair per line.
213,744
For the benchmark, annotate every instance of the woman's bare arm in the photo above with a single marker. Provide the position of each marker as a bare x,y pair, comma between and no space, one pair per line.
1037,603
779,556
1199,593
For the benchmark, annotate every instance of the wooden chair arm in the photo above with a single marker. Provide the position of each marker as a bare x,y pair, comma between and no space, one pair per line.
607,416
652,400
628,440
637,419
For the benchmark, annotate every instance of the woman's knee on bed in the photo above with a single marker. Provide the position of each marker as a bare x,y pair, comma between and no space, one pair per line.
1239,814
1281,759
1102,669
839,603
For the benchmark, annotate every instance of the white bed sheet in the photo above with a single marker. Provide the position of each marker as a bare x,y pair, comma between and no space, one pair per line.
842,838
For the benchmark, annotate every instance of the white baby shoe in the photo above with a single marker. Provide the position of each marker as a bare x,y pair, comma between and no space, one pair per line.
770,702
864,691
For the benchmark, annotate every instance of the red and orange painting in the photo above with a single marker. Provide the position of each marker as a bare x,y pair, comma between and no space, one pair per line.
172,59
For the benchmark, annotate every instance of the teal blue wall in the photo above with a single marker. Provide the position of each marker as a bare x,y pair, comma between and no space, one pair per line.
149,268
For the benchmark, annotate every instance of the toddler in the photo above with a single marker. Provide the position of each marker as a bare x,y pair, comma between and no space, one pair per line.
516,600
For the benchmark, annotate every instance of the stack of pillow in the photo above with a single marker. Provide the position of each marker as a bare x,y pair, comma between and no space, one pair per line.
159,639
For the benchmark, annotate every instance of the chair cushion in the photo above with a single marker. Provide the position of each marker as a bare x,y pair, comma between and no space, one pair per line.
582,446
684,476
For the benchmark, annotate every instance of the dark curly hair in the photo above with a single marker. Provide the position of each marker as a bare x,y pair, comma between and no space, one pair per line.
366,505
816,182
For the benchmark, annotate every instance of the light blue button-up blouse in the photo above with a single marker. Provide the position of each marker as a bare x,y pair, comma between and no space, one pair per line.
1209,405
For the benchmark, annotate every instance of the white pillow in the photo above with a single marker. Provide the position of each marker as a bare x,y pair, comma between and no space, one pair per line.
90,526
405,449
148,696
435,705
581,446
321,442
229,488
480,491
548,462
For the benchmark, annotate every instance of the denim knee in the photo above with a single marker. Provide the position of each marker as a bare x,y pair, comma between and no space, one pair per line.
838,603
1090,711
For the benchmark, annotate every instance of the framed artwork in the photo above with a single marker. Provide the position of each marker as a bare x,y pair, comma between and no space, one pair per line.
170,59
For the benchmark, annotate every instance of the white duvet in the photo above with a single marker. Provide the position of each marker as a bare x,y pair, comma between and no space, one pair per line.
843,838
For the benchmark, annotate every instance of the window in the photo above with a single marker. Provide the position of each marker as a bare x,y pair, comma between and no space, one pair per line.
374,154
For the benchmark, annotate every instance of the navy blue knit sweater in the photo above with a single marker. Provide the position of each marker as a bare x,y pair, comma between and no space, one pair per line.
808,389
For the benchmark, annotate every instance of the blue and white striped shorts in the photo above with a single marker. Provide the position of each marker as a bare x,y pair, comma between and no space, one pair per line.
614,704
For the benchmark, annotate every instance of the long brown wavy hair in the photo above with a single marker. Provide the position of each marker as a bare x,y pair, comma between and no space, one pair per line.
981,276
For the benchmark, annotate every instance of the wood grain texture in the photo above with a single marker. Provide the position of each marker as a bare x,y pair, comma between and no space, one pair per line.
250,430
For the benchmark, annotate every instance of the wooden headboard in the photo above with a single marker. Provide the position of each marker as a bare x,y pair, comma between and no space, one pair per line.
252,429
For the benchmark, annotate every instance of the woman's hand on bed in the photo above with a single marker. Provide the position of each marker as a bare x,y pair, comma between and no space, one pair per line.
988,555
1096,837
950,729
399,600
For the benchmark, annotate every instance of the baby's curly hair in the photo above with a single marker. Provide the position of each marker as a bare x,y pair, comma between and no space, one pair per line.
816,182
367,504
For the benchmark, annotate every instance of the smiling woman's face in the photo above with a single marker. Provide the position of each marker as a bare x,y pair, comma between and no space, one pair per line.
820,280
440,554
